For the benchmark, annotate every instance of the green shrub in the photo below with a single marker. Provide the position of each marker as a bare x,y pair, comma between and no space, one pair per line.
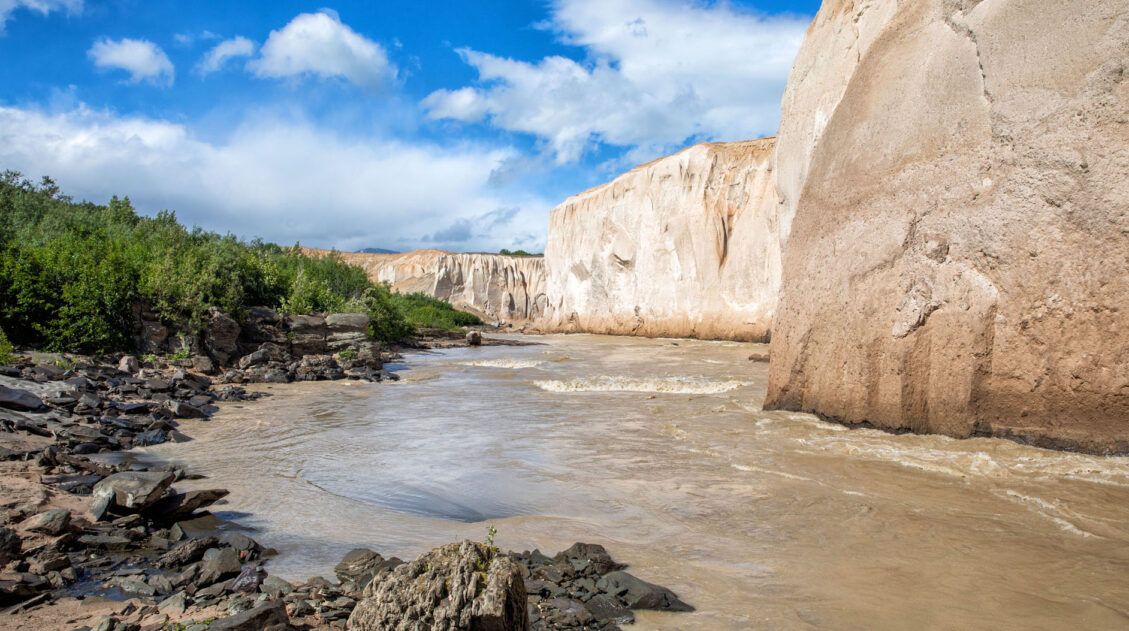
73,275
425,312
7,355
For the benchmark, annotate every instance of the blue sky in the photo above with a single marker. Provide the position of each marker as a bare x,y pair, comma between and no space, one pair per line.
455,125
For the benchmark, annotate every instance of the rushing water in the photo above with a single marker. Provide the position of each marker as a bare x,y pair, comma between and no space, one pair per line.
659,450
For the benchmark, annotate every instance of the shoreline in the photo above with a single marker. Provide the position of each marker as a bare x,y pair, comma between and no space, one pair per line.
130,583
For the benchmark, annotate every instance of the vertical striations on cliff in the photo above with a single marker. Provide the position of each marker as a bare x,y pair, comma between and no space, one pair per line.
685,246
958,261
498,288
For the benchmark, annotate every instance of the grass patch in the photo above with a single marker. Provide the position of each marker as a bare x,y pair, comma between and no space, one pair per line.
421,311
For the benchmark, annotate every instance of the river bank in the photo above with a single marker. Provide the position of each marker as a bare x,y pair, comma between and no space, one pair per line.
659,450
95,537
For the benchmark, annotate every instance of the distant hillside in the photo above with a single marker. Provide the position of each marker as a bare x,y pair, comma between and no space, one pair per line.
377,251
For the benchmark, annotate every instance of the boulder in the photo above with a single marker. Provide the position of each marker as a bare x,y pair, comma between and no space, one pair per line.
474,338
218,564
347,323
457,586
129,365
588,558
270,616
360,566
186,552
129,491
639,594
18,399
221,334
957,259
180,409
9,545
51,522
180,505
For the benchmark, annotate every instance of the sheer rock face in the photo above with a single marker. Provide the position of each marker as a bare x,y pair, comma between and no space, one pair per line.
685,246
958,261
496,287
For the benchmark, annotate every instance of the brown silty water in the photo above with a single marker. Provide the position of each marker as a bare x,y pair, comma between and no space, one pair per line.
659,450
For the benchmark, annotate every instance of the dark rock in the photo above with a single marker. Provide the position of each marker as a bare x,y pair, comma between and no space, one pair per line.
358,568
105,542
217,564
266,353
186,552
248,580
270,616
179,505
51,522
608,609
221,335
458,586
568,613
9,545
129,490
17,399
180,409
203,364
639,594
275,586
474,338
174,605
588,558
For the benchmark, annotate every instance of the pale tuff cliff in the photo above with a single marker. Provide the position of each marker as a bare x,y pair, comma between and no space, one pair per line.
509,289
685,246
958,260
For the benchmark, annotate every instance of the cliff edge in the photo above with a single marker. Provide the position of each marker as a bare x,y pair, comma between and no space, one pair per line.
498,288
957,260
685,246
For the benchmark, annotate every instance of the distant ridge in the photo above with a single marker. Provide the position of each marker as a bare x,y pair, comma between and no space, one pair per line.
377,251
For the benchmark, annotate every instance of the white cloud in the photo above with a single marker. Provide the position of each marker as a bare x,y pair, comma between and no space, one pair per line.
320,44
283,180
658,73
144,60
189,38
224,51
43,7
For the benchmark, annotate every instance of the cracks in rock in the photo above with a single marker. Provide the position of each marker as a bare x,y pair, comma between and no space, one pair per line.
958,10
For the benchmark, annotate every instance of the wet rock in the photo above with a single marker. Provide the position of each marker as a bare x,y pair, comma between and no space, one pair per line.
474,338
266,353
51,522
358,568
129,490
217,564
458,586
18,399
179,505
639,594
566,612
270,616
588,558
607,609
180,409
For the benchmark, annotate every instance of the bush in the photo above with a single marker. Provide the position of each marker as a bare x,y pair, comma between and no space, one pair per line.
425,312
6,350
74,275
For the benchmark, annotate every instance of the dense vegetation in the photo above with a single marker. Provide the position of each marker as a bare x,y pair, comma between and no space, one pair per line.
506,252
73,275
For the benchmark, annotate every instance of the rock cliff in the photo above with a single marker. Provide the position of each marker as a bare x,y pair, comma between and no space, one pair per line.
958,261
498,288
685,246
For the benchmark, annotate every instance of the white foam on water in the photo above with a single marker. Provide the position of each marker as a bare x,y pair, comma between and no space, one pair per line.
1045,509
512,364
658,385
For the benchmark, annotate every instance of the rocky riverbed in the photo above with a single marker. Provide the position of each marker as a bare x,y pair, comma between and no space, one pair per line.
92,541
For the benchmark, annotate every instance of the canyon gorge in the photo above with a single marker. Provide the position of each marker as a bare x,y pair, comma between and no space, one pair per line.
952,262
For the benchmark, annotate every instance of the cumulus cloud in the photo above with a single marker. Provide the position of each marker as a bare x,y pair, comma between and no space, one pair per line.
657,73
281,179
223,52
142,59
482,227
319,44
43,7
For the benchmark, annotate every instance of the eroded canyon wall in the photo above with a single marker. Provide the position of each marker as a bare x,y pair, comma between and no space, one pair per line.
958,261
499,288
685,246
